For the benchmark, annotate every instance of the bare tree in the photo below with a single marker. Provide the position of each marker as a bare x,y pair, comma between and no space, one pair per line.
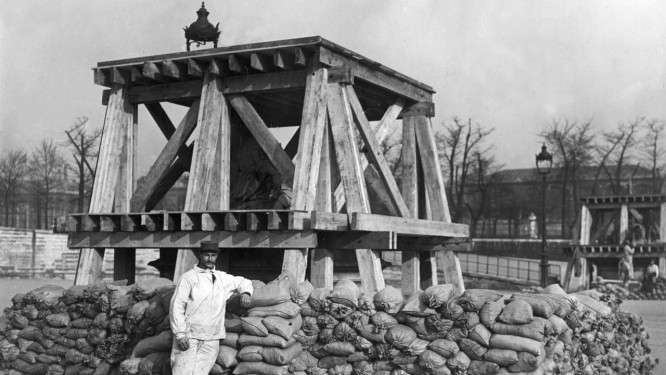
654,153
572,145
458,142
82,143
46,165
13,169
483,170
618,150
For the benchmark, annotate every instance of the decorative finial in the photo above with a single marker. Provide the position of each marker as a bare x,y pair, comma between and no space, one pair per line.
202,31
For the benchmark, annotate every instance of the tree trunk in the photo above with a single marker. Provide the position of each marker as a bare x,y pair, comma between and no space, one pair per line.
82,188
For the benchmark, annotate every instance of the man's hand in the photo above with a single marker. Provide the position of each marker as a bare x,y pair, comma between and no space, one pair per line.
183,344
245,301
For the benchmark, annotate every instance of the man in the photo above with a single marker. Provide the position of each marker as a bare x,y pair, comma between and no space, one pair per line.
650,277
197,312
626,271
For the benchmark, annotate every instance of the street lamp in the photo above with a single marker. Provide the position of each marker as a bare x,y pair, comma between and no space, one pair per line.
544,161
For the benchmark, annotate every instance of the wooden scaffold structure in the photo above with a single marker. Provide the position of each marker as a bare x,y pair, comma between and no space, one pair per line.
344,193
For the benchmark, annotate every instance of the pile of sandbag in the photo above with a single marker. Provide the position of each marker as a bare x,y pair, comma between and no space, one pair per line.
84,329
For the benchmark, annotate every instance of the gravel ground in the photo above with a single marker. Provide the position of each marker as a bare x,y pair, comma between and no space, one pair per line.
654,321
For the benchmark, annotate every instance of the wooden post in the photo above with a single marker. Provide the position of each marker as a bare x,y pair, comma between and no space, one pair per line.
306,176
213,123
434,183
321,265
118,118
124,261
624,221
411,267
662,222
351,174
585,225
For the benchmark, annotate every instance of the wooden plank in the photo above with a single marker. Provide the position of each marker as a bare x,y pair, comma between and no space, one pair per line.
662,225
624,221
585,225
174,70
191,221
119,116
172,221
136,76
419,109
430,244
234,221
264,137
154,222
192,239
211,221
341,74
105,97
299,220
212,114
195,69
382,131
110,223
131,223
238,64
101,76
277,220
90,223
432,172
269,82
299,57
152,72
375,155
164,160
188,90
357,240
257,221
351,174
321,264
411,262
161,119
406,225
260,62
119,76
292,146
329,221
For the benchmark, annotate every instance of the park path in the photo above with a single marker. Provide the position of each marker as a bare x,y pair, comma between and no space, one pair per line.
654,321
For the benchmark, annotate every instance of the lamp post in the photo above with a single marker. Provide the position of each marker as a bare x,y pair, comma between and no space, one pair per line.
544,161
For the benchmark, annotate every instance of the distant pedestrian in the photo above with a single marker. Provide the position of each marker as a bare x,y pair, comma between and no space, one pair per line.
626,266
650,277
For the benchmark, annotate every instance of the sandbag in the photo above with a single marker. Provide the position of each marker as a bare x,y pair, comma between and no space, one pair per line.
536,329
232,323
301,292
473,349
345,369
357,319
558,324
526,362
326,321
101,321
96,335
503,357
283,327
74,294
286,310
389,300
592,304
473,299
270,340
56,320
317,350
343,332
254,326
431,361
490,311
482,368
318,300
363,368
341,349
166,293
517,343
155,312
27,368
310,326
345,292
366,305
259,368
436,296
371,333
326,335
76,333
137,312
451,309
417,347
45,296
383,321
303,362
230,340
480,334
415,305
400,336
435,323
516,312
30,333
361,343
28,357
250,353
456,334
404,359
269,295
84,346
121,298
155,344
307,310
443,347
358,357
384,352
116,325
418,324
331,361
339,311
146,289
467,320
459,362
541,304
412,369
279,357
48,359
84,323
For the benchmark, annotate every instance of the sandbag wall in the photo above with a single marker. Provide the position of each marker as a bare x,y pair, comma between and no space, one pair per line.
84,329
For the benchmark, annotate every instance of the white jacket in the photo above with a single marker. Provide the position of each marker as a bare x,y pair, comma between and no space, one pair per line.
199,303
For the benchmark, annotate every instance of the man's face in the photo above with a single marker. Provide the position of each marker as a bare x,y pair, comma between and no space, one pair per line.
207,259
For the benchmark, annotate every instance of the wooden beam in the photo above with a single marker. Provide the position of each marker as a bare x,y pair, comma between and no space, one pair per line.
264,137
299,57
430,244
283,60
118,119
411,264
218,68
172,174
406,225
195,69
585,225
375,155
321,266
174,70
152,72
292,146
192,239
329,221
101,77
624,221
166,92
260,62
357,240
341,74
351,174
105,96
238,64
164,160
212,116
662,227
136,76
419,109
161,119
119,76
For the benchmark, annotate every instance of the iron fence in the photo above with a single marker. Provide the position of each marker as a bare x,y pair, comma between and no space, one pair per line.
507,268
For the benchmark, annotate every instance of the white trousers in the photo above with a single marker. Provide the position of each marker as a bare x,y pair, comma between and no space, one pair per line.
197,360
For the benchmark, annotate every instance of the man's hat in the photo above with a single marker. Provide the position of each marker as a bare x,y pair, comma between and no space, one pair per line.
208,246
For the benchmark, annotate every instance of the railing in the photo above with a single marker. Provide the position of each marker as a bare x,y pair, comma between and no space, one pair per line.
505,268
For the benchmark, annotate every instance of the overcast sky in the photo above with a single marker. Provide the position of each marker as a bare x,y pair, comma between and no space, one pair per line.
511,65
